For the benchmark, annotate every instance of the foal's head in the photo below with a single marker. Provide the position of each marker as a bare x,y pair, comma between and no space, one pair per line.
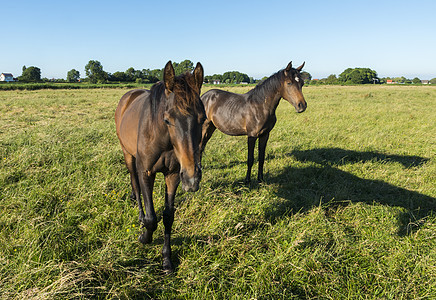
292,87
184,115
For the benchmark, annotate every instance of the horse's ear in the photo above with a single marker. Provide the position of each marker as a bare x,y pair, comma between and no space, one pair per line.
300,67
169,75
288,68
199,75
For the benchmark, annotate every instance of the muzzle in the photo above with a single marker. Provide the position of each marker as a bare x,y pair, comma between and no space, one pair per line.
191,183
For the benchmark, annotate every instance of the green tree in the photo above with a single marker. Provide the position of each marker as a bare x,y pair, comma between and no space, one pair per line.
130,74
355,77
416,80
358,76
184,66
157,73
401,79
95,73
214,77
433,81
133,75
306,77
30,74
73,75
331,79
118,76
235,77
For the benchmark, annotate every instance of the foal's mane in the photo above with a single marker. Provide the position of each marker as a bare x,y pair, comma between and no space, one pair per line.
269,86
186,92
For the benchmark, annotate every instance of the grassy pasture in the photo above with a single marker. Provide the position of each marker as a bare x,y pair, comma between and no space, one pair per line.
347,210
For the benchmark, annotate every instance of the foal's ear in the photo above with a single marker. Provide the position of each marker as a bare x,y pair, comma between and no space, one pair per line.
169,75
288,68
300,67
199,75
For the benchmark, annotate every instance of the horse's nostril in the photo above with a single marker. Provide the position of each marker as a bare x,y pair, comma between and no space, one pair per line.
301,106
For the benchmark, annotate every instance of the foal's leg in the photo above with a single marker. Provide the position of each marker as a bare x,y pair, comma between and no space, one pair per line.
206,134
262,146
172,181
146,181
250,160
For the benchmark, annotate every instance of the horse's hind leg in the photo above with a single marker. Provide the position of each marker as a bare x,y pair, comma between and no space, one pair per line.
250,159
263,140
172,181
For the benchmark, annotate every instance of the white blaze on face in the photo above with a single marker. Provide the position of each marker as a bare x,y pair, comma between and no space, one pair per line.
297,79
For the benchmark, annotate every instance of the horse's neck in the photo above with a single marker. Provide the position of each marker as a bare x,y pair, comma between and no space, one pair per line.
270,103
269,96
274,102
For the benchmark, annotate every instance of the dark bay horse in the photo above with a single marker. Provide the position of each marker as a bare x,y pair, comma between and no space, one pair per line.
253,113
160,131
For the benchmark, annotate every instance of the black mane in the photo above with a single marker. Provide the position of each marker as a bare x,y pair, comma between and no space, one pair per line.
187,98
269,86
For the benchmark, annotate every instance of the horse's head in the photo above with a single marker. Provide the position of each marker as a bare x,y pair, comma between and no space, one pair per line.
292,87
184,116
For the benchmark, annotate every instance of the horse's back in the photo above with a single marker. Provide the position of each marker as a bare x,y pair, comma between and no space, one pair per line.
127,117
226,110
215,95
215,98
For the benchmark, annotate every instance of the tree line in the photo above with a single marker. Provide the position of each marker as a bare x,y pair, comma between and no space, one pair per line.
95,74
363,76
229,77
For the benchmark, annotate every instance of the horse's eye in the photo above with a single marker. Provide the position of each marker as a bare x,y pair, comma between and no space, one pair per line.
167,121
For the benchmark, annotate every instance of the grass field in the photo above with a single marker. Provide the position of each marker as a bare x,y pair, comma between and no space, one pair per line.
347,210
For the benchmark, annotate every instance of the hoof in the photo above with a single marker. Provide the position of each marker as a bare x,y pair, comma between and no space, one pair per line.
146,238
132,196
168,267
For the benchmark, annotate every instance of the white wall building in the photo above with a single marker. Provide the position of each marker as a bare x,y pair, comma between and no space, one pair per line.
6,77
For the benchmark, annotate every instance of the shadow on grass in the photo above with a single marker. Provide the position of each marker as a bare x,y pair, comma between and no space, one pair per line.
305,188
339,156
301,189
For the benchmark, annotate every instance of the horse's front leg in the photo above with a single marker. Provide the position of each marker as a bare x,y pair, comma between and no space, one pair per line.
172,181
250,159
263,140
149,221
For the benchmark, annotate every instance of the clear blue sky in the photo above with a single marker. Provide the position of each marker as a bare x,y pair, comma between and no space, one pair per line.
394,38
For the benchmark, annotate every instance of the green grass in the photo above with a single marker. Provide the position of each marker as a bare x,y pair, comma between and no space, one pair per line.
347,210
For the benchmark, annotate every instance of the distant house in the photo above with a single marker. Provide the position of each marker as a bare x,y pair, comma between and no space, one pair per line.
425,81
389,81
6,77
